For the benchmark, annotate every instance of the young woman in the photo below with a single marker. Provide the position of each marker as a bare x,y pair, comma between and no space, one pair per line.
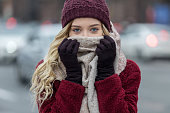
85,71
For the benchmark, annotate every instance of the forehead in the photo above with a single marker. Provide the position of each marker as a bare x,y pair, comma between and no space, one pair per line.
85,21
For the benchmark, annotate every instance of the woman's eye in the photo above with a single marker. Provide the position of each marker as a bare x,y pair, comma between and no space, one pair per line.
94,29
76,30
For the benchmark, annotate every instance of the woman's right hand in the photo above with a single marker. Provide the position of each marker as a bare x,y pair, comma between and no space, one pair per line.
68,54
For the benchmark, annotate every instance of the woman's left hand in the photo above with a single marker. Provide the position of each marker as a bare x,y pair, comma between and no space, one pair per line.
106,52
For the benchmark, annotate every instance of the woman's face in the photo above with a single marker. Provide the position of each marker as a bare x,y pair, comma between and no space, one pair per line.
86,27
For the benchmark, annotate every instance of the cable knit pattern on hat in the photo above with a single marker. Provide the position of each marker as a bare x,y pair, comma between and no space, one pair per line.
86,8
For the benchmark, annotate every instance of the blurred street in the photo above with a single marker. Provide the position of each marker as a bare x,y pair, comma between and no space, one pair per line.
14,97
153,94
154,89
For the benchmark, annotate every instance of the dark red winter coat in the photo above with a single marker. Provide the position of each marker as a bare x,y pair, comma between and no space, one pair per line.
116,94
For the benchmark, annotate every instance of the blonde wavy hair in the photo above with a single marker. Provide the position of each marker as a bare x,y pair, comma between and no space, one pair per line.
44,76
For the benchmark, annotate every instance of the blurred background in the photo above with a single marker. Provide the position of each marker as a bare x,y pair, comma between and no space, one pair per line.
28,26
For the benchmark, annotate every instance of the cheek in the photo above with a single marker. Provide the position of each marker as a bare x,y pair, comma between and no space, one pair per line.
100,32
71,33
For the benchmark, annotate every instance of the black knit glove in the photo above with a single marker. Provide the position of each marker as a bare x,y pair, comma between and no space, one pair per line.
106,52
68,53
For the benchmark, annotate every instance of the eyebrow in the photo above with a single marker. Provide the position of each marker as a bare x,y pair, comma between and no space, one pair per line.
90,25
94,25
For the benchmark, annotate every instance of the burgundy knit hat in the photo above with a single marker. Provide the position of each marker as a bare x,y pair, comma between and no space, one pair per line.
85,8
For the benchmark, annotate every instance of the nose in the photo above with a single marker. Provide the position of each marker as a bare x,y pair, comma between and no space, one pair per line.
85,33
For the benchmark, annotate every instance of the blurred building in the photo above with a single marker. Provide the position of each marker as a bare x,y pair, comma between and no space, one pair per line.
6,8
50,10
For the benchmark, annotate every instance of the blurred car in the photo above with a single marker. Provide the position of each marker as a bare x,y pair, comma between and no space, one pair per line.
146,41
35,50
11,40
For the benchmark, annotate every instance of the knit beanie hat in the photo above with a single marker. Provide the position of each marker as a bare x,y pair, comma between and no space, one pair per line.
85,8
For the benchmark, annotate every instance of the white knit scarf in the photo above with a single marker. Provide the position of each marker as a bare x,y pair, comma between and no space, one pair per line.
88,60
